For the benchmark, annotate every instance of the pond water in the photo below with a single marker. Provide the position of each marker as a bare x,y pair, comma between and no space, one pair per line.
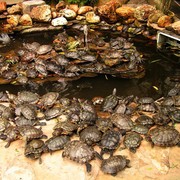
160,72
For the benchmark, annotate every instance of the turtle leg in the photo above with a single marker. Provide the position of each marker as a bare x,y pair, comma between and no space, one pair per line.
178,144
133,150
113,174
88,167
98,156
40,160
8,144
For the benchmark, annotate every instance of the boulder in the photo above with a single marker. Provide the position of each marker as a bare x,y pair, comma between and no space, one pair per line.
13,20
15,9
41,13
25,20
84,9
2,6
28,5
125,12
142,12
164,21
73,7
91,17
60,21
69,14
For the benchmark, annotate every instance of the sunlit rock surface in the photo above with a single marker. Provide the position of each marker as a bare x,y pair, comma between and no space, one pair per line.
147,163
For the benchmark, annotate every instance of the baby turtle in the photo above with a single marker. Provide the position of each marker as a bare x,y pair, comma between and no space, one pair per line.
43,49
110,102
114,164
27,97
90,135
141,129
104,124
175,116
132,141
80,152
56,143
145,120
52,113
122,121
145,100
110,141
164,136
34,149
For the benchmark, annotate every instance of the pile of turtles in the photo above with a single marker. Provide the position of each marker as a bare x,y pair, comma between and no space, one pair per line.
67,58
107,122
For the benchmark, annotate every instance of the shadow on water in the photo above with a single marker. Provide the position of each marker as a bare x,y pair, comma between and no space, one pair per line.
158,72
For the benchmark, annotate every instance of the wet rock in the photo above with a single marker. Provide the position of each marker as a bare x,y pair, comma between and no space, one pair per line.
125,12
28,5
175,27
60,21
13,20
41,13
15,9
142,12
25,20
79,18
108,11
91,17
2,6
84,9
69,14
164,21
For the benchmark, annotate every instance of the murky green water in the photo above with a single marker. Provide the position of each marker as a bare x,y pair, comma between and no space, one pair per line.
158,70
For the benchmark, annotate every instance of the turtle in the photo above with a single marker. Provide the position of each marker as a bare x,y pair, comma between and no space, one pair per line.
90,135
56,143
110,141
122,121
175,116
52,113
80,152
132,141
43,49
164,136
104,124
114,164
110,102
27,97
141,129
145,120
145,100
34,149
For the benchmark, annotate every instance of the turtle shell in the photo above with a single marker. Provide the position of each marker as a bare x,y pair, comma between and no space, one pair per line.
165,136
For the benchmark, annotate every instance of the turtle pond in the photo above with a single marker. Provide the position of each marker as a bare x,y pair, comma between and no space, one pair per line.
88,104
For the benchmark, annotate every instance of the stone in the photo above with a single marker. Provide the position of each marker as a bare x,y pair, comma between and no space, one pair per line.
108,11
13,20
60,21
125,12
73,7
28,5
91,17
60,5
176,27
41,13
79,18
2,6
15,9
164,21
142,12
84,9
25,20
69,14
153,18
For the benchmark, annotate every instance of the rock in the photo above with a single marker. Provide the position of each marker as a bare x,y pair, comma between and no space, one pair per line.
25,20
153,18
79,18
91,17
60,21
28,5
142,12
15,9
13,20
125,12
84,9
69,14
164,21
108,11
73,7
60,5
41,13
2,6
175,27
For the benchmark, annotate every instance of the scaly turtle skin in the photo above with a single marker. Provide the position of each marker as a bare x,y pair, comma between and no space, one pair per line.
34,149
132,141
164,136
114,164
110,102
80,152
90,135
